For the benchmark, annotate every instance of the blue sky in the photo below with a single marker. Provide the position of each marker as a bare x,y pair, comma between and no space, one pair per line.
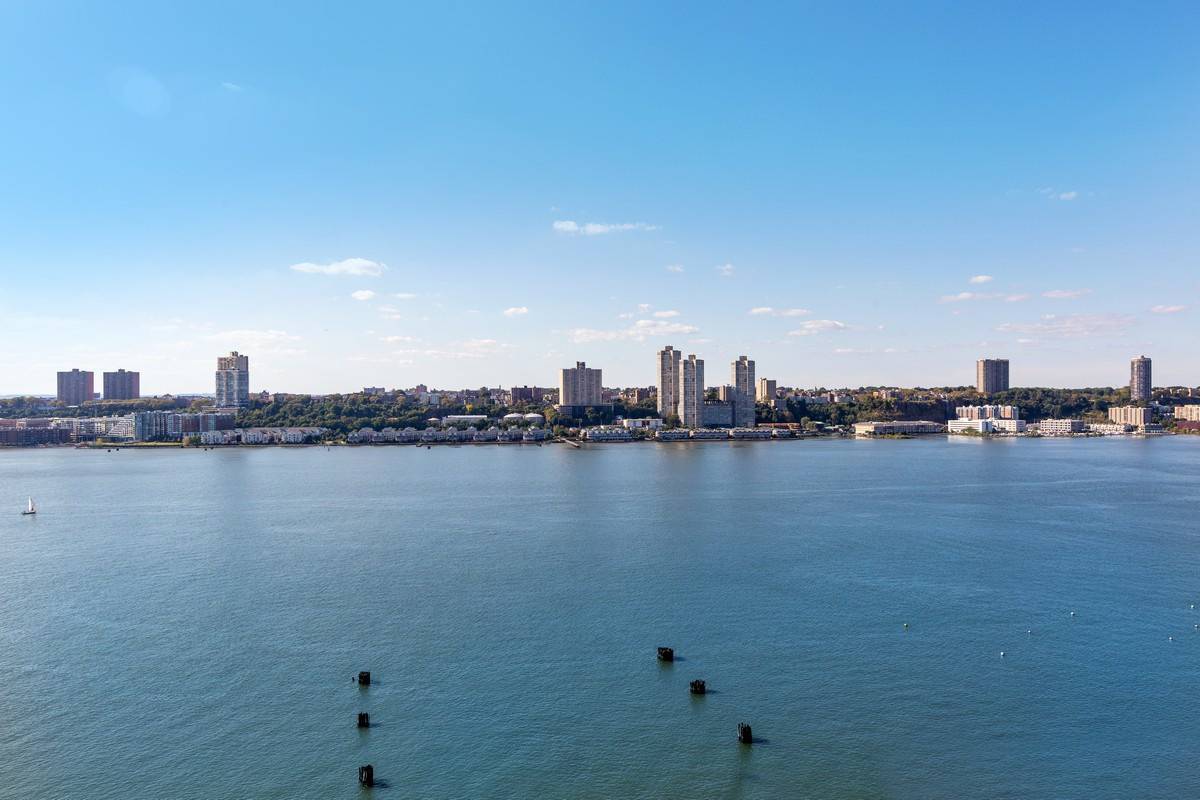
483,193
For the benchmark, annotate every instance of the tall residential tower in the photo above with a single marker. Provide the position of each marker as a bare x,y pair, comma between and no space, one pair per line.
742,380
991,375
233,381
579,386
668,381
691,392
122,385
1139,379
76,387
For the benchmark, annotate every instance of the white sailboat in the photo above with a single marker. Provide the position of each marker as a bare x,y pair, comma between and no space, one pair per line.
29,509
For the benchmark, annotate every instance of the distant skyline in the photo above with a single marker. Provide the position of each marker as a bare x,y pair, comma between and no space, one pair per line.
483,194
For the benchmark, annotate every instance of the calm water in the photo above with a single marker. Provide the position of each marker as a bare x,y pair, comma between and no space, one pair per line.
186,624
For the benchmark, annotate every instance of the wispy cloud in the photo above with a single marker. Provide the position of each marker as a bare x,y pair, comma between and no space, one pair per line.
362,294
1058,194
1071,326
516,311
1167,309
258,341
674,268
468,349
768,311
404,296
398,339
349,266
638,332
815,327
666,314
964,297
571,227
230,86
1066,294
726,270
980,279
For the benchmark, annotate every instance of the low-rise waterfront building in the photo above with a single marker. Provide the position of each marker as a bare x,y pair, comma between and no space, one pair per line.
288,435
608,433
642,424
750,433
1060,427
1109,428
897,428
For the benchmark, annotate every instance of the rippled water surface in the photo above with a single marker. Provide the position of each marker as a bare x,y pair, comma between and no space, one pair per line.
185,624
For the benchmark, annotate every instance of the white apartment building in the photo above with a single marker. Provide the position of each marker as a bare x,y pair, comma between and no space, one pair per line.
766,390
1109,428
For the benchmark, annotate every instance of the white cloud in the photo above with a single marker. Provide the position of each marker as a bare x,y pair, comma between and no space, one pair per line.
963,297
404,296
348,266
390,312
980,279
768,311
1016,298
230,86
1167,309
362,294
818,326
725,270
397,339
666,314
1066,294
644,307
569,226
1055,194
516,311
638,332
674,268
1072,326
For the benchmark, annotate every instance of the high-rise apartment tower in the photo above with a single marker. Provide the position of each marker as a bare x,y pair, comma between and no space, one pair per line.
233,381
991,375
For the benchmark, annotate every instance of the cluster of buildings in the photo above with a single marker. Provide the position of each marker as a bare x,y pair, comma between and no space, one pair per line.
144,426
682,393
450,434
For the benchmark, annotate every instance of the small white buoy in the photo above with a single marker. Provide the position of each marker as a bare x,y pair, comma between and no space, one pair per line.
1170,638
1002,654
1029,632
1072,613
